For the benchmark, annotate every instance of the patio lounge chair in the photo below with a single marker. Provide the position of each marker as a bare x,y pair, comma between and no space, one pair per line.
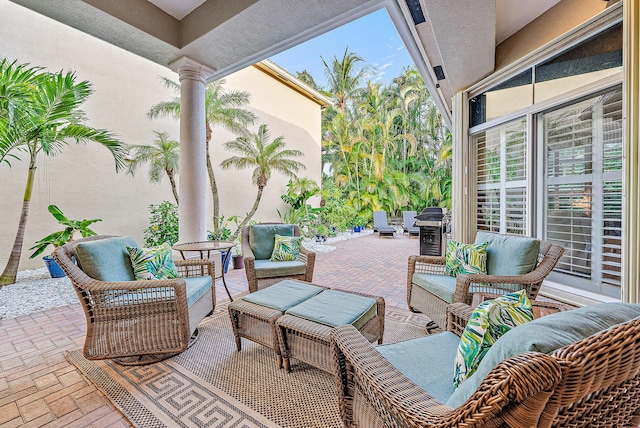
381,226
514,262
572,368
409,220
135,321
257,246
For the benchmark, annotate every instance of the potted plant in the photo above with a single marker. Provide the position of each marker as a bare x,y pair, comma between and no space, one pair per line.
238,258
60,238
359,223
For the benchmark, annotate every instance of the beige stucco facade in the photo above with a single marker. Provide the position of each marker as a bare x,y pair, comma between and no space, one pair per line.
82,180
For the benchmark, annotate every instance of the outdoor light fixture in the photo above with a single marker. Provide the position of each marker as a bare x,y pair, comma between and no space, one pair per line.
416,11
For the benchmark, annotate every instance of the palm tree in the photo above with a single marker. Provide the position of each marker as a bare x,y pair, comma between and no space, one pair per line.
257,152
162,157
222,109
343,78
43,119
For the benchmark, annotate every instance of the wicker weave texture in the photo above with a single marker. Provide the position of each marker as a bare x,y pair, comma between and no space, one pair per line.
255,284
134,318
310,342
421,300
372,392
594,382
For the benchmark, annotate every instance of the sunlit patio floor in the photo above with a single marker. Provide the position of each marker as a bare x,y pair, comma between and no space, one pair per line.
38,387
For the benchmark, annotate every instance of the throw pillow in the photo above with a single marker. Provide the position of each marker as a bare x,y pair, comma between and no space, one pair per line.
464,258
286,248
490,320
153,263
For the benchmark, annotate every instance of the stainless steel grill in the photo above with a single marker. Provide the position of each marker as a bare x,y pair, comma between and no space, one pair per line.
432,238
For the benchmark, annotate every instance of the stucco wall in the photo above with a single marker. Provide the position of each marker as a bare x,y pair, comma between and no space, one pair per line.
82,180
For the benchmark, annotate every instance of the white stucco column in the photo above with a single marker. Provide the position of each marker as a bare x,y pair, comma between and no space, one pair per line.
192,184
631,154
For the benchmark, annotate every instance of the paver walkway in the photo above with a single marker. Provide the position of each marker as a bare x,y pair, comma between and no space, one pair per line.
38,387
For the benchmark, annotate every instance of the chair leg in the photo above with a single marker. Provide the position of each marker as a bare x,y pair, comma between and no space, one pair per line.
143,360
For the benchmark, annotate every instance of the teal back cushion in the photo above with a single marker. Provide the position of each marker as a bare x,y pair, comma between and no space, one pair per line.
106,259
545,335
262,238
509,255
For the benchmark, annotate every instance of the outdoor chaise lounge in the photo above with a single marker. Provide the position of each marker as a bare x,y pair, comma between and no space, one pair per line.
514,262
135,321
381,226
578,368
408,221
257,247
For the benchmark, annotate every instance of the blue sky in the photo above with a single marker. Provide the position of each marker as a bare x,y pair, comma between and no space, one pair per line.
372,37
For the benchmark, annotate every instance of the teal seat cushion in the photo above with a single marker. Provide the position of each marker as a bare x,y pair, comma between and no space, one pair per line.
262,238
269,269
509,255
545,335
106,259
197,287
334,308
283,295
427,361
443,286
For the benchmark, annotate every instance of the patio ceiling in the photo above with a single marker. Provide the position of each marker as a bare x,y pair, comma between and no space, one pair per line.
458,35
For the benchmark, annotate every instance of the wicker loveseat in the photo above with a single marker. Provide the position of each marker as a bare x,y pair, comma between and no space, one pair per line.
257,245
514,263
135,322
593,381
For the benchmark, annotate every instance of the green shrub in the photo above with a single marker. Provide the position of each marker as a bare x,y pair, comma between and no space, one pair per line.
163,224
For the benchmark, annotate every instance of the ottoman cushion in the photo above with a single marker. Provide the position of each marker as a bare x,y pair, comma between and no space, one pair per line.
283,295
334,308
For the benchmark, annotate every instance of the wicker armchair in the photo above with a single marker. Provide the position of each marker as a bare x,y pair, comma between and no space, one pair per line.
138,322
258,278
420,299
594,382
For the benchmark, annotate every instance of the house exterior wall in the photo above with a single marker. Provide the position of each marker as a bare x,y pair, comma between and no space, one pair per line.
82,180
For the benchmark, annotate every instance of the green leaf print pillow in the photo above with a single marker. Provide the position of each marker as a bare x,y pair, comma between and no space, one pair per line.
464,258
490,320
153,263
286,248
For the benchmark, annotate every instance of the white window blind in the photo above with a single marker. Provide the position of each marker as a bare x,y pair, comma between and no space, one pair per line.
583,147
502,173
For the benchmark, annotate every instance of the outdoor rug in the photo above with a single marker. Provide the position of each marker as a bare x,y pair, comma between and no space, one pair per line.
213,385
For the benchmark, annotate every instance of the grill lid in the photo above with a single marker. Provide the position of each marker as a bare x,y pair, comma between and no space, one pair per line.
430,214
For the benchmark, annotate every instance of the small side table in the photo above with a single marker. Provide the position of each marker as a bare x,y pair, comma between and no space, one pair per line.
207,247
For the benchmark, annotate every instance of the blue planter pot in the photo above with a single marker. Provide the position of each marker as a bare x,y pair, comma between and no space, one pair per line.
54,268
357,229
223,254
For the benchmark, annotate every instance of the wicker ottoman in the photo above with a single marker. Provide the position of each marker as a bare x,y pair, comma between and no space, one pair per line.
254,315
305,329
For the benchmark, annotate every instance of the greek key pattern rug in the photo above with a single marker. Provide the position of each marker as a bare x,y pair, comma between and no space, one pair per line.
213,385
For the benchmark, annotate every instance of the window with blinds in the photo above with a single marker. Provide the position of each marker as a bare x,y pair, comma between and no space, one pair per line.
583,210
502,173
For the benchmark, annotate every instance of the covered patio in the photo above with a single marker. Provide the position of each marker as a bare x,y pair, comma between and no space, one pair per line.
39,387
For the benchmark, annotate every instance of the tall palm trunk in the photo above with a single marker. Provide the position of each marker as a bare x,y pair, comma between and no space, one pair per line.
246,220
172,180
11,269
212,182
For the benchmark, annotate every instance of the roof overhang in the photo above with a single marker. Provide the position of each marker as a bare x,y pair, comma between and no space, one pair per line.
453,46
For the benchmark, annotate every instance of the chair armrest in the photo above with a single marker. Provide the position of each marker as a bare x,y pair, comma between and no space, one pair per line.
196,267
491,284
425,264
458,315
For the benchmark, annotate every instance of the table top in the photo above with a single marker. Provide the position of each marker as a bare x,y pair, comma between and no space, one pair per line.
204,246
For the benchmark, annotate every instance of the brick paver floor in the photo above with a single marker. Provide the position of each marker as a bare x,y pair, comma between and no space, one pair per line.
38,387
